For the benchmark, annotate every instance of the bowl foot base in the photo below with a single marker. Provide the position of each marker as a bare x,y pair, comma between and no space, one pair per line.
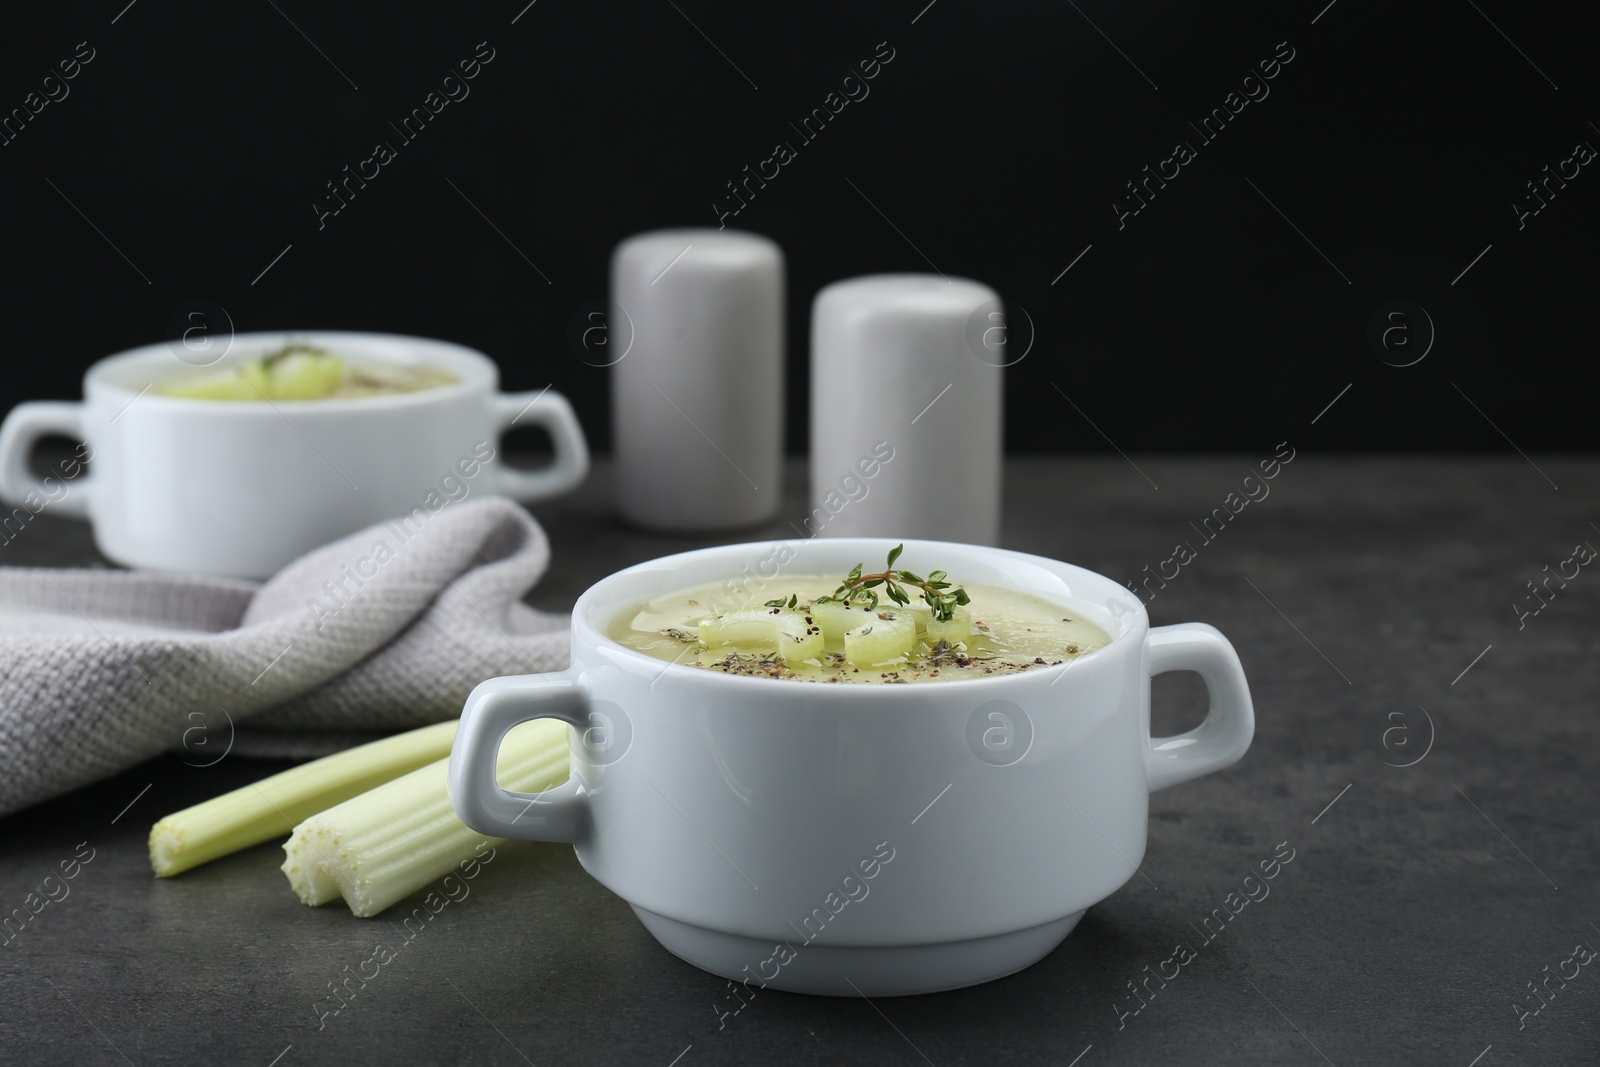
852,971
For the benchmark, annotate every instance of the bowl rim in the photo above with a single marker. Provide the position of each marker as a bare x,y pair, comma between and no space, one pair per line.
1125,627
478,373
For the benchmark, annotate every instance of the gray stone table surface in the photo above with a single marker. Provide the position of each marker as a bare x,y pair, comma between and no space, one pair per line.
1429,758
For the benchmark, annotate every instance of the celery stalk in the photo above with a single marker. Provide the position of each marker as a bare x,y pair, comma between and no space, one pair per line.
384,845
271,807
312,883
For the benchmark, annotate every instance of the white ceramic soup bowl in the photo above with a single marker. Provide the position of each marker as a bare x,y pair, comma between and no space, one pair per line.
244,487
855,839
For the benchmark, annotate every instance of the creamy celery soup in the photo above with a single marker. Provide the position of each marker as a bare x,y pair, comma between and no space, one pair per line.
812,635
302,372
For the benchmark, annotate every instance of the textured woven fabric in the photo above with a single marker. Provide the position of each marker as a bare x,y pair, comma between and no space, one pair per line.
387,629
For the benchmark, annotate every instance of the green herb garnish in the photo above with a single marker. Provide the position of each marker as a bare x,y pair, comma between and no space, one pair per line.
860,589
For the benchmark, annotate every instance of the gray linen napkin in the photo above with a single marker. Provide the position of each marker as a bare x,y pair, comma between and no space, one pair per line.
385,630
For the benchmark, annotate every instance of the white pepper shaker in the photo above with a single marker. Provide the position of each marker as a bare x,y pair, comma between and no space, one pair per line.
905,409
697,400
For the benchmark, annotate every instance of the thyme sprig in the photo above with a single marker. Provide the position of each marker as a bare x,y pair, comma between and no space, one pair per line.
859,589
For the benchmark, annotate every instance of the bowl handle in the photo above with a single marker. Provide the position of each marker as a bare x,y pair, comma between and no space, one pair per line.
495,706
23,427
571,463
1230,722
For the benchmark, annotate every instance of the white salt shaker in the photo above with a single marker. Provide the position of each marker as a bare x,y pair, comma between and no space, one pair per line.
697,400
906,409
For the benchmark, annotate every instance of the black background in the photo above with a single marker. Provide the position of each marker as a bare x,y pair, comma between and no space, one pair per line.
996,140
